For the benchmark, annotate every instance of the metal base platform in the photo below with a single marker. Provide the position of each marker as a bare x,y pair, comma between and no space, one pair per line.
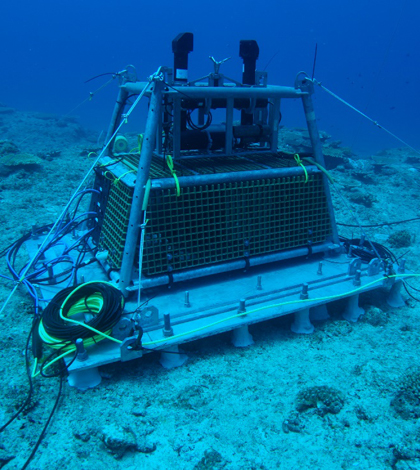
225,302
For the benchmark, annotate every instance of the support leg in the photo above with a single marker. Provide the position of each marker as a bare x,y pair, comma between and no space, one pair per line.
395,299
241,337
172,357
319,313
302,323
84,379
352,311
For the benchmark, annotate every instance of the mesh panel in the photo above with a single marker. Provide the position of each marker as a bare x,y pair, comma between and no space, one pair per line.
220,222
115,223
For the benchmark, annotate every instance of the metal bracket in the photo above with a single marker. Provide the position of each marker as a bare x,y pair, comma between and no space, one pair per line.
217,63
149,316
261,79
374,267
355,265
122,329
128,349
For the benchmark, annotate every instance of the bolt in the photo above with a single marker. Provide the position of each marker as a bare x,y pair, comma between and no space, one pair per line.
259,285
241,308
304,294
187,299
356,280
82,354
167,329
319,268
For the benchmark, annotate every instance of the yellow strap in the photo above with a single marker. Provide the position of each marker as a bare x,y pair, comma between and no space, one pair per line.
170,164
300,163
146,194
107,177
116,181
140,141
320,167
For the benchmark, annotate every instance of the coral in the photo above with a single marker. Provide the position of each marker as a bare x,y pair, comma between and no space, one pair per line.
323,398
375,316
406,402
360,197
118,440
192,397
292,423
7,148
400,239
212,460
21,159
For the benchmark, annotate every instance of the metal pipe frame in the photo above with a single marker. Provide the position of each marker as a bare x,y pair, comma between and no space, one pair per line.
223,91
216,178
143,171
308,88
235,265
116,116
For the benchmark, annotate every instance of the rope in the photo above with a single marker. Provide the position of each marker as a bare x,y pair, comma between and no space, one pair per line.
363,114
156,75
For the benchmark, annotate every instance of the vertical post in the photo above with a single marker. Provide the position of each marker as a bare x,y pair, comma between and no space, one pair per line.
116,117
143,171
273,122
229,126
308,88
177,128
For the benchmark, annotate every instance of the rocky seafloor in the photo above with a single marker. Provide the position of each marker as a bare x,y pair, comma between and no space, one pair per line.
346,396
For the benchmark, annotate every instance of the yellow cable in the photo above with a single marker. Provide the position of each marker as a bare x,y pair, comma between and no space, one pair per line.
35,366
163,340
300,163
76,322
92,153
170,163
53,362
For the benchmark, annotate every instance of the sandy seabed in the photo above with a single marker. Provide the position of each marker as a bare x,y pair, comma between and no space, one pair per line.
227,408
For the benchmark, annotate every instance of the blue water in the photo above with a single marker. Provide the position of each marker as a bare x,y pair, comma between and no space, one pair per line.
368,53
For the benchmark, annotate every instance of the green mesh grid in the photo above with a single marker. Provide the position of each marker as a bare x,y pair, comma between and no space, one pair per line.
115,223
213,223
220,222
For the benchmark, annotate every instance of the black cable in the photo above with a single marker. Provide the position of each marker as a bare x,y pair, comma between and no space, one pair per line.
409,293
364,252
31,388
105,319
199,128
100,75
38,442
48,360
380,225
